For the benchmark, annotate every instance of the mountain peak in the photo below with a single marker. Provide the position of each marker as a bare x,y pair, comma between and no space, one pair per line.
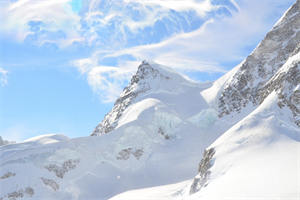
149,78
147,70
244,84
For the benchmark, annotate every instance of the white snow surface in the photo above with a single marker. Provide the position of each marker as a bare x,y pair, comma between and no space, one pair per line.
159,140
258,158
162,132
47,139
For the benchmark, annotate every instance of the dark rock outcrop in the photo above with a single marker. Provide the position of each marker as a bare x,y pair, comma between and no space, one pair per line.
249,82
201,179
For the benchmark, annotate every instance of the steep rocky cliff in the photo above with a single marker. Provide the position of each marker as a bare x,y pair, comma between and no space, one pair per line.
249,82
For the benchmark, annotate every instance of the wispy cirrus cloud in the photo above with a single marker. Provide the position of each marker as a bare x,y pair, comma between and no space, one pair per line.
99,23
106,26
209,48
40,21
216,42
106,81
127,23
125,32
189,35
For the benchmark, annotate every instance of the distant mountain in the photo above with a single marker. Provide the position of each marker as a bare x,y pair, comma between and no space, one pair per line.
5,142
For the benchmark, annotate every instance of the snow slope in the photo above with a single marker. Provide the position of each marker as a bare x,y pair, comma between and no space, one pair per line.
259,156
164,86
160,120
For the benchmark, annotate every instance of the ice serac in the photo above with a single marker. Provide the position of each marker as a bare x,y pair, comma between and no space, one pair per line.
245,84
258,156
150,79
160,120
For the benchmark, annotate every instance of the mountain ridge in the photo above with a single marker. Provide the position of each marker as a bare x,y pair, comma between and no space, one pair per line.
149,77
247,79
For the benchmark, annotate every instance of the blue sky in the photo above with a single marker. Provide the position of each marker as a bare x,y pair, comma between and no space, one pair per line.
64,62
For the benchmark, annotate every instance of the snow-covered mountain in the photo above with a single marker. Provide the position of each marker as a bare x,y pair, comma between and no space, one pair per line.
154,84
258,157
246,123
160,120
5,142
248,83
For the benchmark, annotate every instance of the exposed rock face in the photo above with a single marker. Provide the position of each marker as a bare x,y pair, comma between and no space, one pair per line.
140,83
60,171
205,164
19,194
125,154
51,183
248,83
7,175
162,132
286,82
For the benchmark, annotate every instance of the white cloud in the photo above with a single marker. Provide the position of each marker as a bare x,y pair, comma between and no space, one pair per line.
217,42
101,21
116,24
179,5
117,30
3,77
106,81
56,17
181,52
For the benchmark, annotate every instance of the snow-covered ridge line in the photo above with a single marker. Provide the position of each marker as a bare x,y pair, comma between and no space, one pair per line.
149,78
286,83
243,84
257,157
5,142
